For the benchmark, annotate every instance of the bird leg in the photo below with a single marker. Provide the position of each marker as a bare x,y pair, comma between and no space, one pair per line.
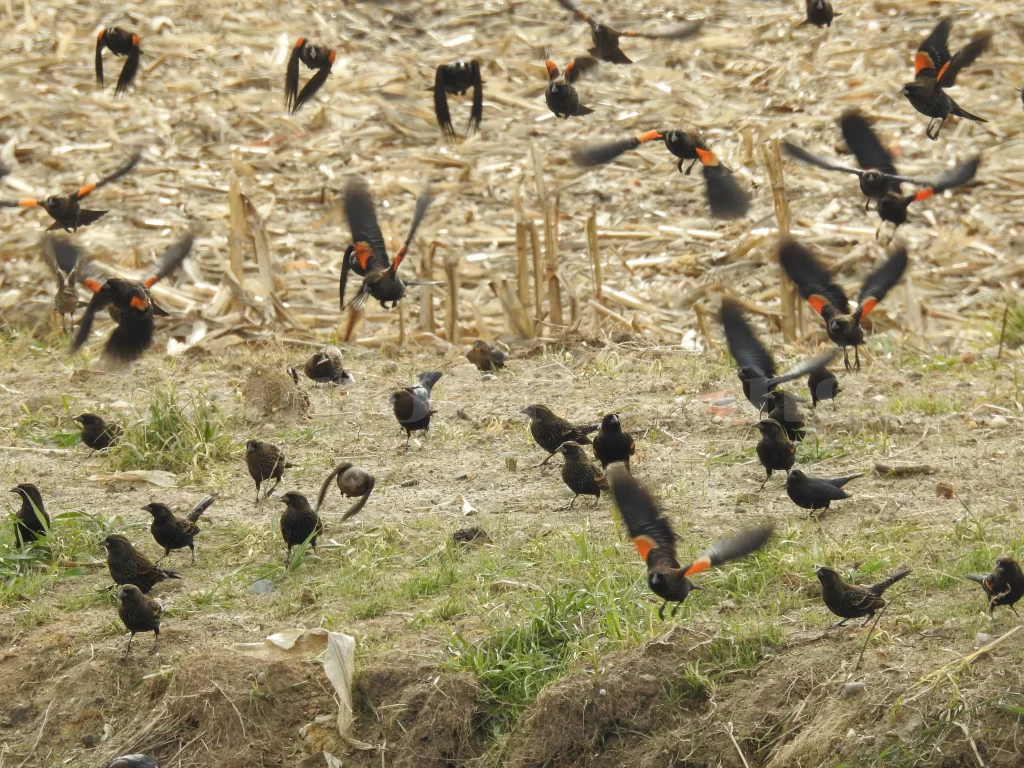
836,626
661,611
193,555
546,460
156,642
765,480
868,619
936,123
846,359
856,357
128,650
573,501
675,610
691,167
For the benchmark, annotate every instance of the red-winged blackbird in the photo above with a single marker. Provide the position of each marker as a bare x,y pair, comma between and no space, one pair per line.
656,542
31,521
265,462
96,433
815,493
823,386
560,95
828,299
606,39
318,57
725,198
1004,586
579,474
551,431
133,761
850,602
173,532
756,366
119,42
65,260
775,450
129,566
368,257
325,367
893,207
131,306
935,70
486,357
819,13
412,404
611,444
784,408
139,614
65,210
458,78
353,482
299,522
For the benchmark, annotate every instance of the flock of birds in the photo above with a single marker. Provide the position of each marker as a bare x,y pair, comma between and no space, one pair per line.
130,305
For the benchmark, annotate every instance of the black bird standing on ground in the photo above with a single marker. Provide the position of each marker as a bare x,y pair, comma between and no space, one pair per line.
173,532
775,450
129,566
1004,586
31,522
325,367
655,541
299,521
119,42
318,57
458,78
823,385
97,433
850,602
816,493
550,431
606,39
612,444
412,404
353,482
579,474
139,614
264,462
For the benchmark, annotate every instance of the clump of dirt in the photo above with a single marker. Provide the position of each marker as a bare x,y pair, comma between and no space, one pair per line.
273,394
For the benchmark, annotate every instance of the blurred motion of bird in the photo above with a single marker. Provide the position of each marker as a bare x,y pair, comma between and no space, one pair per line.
119,42
353,482
486,357
457,78
66,260
1004,586
325,367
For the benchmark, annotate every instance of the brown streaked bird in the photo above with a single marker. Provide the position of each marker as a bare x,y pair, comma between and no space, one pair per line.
775,450
65,210
816,493
31,522
119,42
325,367
131,306
486,357
139,614
98,434
1004,586
823,385
129,566
265,462
784,408
318,57
457,78
606,39
655,541
814,282
173,532
935,70
550,431
299,522
611,444
368,256
411,405
850,602
560,95
579,474
353,482
819,13
66,260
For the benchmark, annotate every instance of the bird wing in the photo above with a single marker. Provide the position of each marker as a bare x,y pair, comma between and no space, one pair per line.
62,256
647,527
804,368
740,545
101,42
744,346
100,300
801,154
476,113
966,55
573,7
171,258
314,84
117,174
130,68
668,32
864,143
879,282
367,239
201,507
933,53
422,203
581,65
441,112
725,197
606,151
344,466
811,279
291,77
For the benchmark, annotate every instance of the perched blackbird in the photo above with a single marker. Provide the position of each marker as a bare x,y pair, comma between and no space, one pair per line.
65,210
65,260
823,386
580,474
725,198
368,257
1004,586
783,408
816,493
32,522
756,366
129,566
131,306
935,70
879,178
299,521
774,450
133,761
656,542
265,462
458,78
606,39
828,299
353,482
486,357
119,42
314,56
324,367
612,444
560,95
850,602
96,433
551,431
139,614
412,404
173,532
819,13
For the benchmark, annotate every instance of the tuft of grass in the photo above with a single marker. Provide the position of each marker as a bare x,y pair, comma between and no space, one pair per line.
929,405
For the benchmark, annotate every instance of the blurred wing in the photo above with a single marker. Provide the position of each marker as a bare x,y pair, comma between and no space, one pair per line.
956,177
879,282
291,77
740,545
117,174
362,221
444,117
314,84
60,254
725,197
966,55
476,113
581,65
746,349
801,154
100,300
647,527
100,44
804,368
128,71
864,143
422,203
674,32
570,5
811,279
171,259
933,53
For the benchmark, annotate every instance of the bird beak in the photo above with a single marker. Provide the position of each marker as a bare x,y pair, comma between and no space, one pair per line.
904,90
14,490
78,419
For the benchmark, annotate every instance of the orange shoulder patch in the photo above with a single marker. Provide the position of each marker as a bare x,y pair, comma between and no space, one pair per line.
644,545
943,70
922,60
870,303
93,285
700,565
706,158
924,194
817,302
83,191
362,253
300,42
140,304
643,138
552,67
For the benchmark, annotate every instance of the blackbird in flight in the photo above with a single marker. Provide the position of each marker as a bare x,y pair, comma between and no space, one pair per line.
314,56
119,42
606,39
458,78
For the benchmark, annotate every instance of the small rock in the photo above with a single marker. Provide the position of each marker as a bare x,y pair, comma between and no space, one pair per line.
739,509
998,422
725,402
852,689
967,358
851,734
717,419
602,692
261,587
410,483
100,700
18,714
261,677
488,377
981,639
466,371
474,535
945,491
965,384
465,475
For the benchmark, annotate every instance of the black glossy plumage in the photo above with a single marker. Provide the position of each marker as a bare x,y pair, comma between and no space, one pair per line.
411,405
1004,586
299,521
97,433
775,450
457,78
816,493
611,444
31,521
